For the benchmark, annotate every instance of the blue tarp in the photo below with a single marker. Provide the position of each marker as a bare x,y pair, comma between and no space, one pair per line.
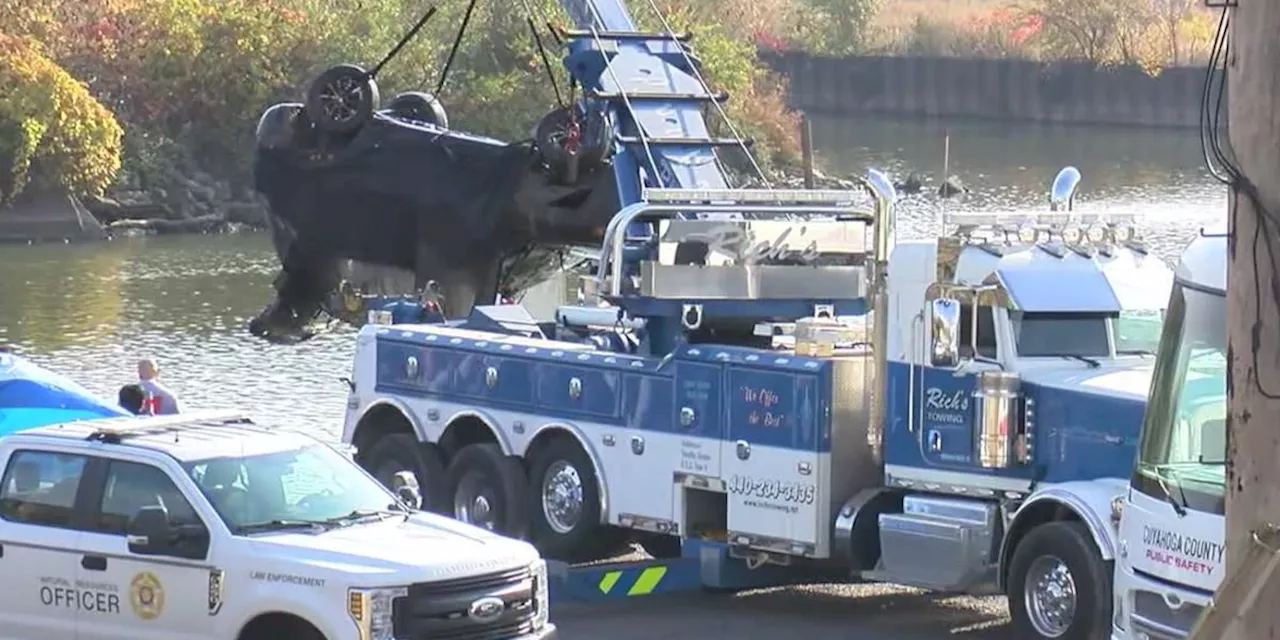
32,396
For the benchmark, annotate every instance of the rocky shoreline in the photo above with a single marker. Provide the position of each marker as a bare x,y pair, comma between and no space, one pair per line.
176,202
187,202
195,202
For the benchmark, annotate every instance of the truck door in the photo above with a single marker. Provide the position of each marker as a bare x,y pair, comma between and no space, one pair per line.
943,393
159,597
38,540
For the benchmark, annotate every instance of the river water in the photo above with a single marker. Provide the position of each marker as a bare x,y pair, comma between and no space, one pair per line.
90,311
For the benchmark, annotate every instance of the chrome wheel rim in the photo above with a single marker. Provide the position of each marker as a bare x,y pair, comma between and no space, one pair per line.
473,502
562,497
341,98
1050,596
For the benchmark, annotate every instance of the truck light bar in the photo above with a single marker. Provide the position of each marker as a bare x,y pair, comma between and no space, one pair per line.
132,424
736,196
1040,219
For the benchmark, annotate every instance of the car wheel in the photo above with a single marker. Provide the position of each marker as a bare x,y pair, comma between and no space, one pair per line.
341,99
565,505
1059,586
396,452
551,139
487,490
419,106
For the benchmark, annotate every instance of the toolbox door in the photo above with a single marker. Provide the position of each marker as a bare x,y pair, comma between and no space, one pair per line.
773,459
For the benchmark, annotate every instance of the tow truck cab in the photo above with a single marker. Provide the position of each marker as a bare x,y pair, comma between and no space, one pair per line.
209,526
1172,549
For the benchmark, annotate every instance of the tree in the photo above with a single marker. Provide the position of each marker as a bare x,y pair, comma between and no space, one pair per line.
51,128
838,27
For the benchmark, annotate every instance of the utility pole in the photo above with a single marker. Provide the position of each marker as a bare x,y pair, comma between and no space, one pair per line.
1245,608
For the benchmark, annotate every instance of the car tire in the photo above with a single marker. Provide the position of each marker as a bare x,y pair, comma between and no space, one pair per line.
487,489
419,106
341,99
1055,564
402,452
548,138
565,505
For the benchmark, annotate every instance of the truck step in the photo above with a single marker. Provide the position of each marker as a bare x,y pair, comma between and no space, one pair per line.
658,96
686,142
625,35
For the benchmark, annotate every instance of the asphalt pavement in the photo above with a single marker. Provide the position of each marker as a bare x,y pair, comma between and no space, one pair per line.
818,612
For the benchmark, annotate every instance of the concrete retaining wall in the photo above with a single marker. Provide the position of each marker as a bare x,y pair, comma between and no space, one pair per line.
1066,92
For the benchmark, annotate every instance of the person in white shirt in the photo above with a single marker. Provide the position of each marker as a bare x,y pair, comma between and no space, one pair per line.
160,400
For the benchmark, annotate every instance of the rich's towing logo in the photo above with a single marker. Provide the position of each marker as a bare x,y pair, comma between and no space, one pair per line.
1184,552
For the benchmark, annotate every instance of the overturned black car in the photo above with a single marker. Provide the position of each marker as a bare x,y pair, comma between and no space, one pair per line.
349,179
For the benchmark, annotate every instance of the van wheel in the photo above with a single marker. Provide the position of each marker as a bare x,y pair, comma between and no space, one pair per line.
565,505
1059,585
396,452
487,490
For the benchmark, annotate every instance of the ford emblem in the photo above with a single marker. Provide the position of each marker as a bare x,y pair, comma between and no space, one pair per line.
486,609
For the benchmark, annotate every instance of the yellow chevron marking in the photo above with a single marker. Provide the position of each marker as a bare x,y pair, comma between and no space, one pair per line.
609,580
647,581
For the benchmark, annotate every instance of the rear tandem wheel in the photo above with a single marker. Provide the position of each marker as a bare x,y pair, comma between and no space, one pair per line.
487,489
395,452
564,504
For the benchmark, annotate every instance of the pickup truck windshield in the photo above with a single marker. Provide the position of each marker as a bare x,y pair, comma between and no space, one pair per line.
314,485
1182,456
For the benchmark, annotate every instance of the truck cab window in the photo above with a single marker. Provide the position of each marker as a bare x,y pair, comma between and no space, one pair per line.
986,331
1045,335
40,488
131,486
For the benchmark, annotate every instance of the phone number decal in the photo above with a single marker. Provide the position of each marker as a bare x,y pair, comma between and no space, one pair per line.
773,490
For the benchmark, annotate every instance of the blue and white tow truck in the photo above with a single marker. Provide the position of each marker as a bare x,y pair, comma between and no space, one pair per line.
803,399
1172,551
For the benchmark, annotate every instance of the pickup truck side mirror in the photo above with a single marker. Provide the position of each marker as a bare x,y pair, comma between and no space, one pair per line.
406,487
150,532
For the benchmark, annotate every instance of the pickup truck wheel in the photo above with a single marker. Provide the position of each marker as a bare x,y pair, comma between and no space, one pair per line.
1059,585
402,452
565,505
487,489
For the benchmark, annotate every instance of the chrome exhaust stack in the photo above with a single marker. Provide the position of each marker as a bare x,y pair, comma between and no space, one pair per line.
1062,195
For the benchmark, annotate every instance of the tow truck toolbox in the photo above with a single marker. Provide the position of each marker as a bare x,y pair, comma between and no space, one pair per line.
211,526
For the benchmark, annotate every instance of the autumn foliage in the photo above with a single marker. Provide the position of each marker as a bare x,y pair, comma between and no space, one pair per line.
188,78
49,122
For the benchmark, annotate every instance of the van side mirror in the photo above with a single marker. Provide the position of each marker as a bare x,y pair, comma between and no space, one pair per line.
149,531
406,487
944,349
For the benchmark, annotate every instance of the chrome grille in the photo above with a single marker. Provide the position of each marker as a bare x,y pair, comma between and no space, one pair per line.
443,610
1155,618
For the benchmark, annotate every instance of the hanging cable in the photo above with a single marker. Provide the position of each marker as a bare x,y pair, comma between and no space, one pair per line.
1223,165
542,53
453,51
644,140
707,88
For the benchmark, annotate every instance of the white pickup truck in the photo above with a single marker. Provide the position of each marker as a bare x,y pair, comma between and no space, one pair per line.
185,527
